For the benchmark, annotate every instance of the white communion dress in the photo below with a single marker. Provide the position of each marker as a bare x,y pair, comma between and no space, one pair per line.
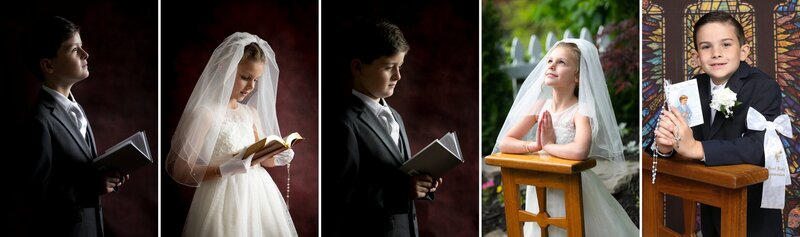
603,215
247,204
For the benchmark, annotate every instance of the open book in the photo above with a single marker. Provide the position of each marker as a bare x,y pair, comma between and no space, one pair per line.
685,97
436,159
272,145
128,155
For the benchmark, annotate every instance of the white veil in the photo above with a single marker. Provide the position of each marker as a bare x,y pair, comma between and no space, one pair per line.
197,132
593,99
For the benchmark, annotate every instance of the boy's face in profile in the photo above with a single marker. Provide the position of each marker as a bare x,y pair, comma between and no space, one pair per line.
379,78
70,62
683,101
719,50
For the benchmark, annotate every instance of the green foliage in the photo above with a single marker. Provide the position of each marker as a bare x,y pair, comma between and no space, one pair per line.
621,67
497,91
526,17
503,21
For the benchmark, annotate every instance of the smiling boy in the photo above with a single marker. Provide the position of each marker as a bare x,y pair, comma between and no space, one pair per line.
721,49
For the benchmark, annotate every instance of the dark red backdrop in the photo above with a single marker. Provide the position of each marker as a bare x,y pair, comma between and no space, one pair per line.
119,96
438,94
190,35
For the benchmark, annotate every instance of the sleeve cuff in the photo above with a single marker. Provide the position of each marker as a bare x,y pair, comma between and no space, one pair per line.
664,155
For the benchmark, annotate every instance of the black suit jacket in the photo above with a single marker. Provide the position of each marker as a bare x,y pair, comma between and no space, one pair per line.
63,185
365,193
727,141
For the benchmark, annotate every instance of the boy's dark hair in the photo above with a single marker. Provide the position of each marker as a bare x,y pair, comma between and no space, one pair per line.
721,17
46,37
373,39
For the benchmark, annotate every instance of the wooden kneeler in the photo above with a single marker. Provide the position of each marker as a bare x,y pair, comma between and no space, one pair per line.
542,171
720,186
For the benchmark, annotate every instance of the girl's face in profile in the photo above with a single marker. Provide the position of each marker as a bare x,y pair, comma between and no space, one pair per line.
562,68
247,74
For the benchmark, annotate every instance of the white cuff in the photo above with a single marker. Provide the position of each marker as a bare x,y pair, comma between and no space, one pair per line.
664,155
284,158
235,165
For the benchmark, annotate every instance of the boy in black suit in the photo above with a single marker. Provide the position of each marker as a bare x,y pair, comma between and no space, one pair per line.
365,192
63,186
723,139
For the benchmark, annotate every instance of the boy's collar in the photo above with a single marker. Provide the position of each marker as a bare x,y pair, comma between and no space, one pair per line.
55,92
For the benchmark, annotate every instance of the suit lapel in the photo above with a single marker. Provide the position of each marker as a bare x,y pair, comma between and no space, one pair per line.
403,136
378,130
64,119
90,137
735,84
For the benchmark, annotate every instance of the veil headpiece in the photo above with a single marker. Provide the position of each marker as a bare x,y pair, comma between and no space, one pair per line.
593,102
199,127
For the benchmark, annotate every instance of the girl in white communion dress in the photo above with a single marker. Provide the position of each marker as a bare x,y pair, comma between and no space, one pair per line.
231,107
564,104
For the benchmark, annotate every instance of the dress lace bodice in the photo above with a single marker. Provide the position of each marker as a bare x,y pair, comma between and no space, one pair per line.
563,122
236,133
246,204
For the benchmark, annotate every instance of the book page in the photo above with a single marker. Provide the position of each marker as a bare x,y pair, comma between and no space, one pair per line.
436,159
130,140
450,142
275,138
128,155
685,97
292,138
140,142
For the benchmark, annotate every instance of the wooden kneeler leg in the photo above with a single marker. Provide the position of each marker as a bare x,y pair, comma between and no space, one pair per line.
511,194
541,198
574,205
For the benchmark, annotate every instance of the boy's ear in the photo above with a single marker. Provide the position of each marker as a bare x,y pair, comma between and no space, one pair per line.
695,58
745,52
46,66
355,67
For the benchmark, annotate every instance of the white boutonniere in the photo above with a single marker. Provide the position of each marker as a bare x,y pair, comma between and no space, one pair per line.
724,100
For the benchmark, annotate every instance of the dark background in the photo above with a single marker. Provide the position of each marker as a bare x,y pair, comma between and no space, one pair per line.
438,93
189,37
119,96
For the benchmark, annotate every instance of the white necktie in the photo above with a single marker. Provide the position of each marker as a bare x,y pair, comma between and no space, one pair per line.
714,111
385,114
78,118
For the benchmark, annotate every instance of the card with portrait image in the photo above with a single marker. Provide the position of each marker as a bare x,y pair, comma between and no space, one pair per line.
685,97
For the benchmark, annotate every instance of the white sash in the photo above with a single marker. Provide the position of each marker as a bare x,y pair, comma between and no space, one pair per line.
773,194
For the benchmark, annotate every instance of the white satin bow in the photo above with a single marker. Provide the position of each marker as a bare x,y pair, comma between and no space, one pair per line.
773,194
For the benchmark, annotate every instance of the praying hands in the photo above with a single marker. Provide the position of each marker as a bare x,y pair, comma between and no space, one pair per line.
673,134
